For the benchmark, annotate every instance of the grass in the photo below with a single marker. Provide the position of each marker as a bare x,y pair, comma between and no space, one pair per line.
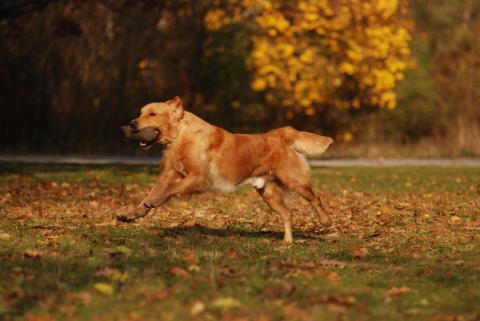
408,248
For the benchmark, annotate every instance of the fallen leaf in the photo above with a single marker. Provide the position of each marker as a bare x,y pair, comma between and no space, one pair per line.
424,302
104,288
226,303
4,236
459,263
340,299
94,203
232,254
119,252
400,206
309,265
333,277
194,268
359,251
34,254
280,289
455,219
179,271
123,249
332,263
197,308
396,292
5,198
79,297
228,271
157,295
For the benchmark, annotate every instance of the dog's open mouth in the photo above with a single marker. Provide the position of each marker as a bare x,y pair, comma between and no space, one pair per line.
145,137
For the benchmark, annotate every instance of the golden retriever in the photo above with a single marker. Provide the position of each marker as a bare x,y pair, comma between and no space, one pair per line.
199,157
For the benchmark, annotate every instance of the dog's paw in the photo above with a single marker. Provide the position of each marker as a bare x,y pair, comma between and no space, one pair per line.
133,214
129,216
125,218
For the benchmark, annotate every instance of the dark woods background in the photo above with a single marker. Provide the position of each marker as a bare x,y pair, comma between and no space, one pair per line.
72,72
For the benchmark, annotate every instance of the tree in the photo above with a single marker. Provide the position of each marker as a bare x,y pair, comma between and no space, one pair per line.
451,31
308,55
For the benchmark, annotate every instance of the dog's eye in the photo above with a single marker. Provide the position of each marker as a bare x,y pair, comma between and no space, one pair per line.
152,114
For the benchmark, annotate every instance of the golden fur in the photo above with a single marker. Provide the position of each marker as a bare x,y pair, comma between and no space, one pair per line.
199,157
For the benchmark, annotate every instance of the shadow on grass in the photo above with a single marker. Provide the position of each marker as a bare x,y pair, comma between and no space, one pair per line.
238,232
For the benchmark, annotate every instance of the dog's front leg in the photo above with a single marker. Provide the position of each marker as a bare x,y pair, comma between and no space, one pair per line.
166,179
186,185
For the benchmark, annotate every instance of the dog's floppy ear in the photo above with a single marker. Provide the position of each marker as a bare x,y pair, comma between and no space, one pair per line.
177,105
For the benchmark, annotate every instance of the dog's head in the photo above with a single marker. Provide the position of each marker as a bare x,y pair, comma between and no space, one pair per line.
157,123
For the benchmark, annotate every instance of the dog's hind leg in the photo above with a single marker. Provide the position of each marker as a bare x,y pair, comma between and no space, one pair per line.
307,193
272,194
299,181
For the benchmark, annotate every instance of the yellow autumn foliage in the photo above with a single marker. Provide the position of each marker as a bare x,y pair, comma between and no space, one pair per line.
315,53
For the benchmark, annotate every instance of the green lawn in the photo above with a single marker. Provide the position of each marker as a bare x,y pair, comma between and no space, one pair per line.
408,248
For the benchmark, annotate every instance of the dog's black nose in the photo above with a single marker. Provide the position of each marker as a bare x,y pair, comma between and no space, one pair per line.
133,125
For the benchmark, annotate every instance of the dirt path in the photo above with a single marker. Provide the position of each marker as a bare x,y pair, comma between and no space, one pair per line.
137,160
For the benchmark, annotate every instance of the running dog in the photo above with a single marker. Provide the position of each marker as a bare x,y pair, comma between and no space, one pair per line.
199,157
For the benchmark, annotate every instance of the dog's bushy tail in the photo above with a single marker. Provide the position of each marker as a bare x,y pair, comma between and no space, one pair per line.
308,144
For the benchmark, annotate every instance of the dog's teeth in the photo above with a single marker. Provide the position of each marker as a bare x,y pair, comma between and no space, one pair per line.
143,144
